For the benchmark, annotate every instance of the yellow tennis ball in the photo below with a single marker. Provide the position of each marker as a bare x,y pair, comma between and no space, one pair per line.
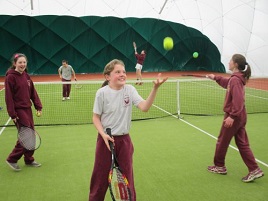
38,114
168,43
195,55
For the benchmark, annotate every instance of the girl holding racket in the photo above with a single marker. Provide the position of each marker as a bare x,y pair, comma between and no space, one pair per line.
113,109
235,119
20,93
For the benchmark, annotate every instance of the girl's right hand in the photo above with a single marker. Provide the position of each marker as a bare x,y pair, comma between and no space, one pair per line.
106,139
210,76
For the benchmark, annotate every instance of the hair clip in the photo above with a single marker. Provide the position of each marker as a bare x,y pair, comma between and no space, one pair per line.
16,56
246,67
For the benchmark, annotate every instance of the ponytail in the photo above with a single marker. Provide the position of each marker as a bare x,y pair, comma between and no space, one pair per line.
243,66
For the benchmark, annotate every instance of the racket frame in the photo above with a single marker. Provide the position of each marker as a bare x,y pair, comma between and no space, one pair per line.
36,135
77,86
115,167
195,75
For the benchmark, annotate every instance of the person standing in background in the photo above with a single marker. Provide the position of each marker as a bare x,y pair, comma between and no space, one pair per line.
65,72
140,59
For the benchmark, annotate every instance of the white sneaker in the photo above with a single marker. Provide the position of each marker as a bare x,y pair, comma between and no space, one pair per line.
68,98
63,99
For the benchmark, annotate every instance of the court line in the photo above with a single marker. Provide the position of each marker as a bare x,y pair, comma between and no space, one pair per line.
210,135
3,128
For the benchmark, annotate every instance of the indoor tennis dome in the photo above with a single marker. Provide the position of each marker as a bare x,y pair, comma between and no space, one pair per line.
216,29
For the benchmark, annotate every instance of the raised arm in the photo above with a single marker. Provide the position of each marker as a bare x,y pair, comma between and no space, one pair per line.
135,47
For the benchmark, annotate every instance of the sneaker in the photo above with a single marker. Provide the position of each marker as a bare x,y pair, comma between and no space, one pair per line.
68,98
217,169
14,166
63,99
255,174
34,164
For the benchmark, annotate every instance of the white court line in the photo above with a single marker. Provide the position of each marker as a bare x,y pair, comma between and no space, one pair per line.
186,122
3,128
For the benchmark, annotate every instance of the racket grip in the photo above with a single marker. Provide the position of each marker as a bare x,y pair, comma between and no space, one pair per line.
109,132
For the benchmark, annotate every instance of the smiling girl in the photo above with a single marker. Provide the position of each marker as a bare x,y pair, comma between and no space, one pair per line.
19,95
113,109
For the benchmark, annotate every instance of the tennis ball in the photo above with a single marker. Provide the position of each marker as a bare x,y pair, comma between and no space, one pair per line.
38,114
195,55
168,43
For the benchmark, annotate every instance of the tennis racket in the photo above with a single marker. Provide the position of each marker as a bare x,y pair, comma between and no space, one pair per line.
77,86
29,138
118,184
195,75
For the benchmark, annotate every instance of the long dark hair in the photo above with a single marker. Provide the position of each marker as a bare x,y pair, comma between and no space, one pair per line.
243,66
109,68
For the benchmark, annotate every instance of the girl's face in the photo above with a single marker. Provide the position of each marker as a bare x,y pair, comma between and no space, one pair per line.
232,65
20,64
117,78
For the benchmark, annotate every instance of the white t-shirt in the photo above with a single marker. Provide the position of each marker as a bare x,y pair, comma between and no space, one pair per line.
66,72
115,107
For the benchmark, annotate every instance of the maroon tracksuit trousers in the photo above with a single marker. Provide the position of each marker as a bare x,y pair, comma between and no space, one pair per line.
239,133
99,179
25,118
66,88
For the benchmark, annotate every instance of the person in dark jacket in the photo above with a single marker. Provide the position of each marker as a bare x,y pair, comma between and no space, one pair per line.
20,94
235,119
140,59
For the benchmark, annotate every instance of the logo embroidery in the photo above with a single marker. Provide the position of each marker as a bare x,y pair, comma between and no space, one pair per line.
29,82
126,100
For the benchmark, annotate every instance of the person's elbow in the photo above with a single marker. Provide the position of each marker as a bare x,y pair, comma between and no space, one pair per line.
143,107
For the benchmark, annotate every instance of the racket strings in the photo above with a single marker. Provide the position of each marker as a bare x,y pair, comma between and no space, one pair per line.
28,138
120,186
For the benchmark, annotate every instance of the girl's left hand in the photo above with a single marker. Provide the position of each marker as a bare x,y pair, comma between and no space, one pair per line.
159,81
228,122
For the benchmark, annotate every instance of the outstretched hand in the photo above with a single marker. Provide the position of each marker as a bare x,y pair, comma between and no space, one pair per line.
159,81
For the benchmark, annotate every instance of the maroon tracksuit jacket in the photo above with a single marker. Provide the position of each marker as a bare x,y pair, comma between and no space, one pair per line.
19,95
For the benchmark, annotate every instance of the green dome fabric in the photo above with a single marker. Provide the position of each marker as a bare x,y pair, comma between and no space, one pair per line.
88,43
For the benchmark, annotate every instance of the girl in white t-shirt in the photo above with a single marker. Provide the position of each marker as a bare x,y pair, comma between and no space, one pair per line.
113,109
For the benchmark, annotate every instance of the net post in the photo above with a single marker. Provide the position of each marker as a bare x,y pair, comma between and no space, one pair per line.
178,99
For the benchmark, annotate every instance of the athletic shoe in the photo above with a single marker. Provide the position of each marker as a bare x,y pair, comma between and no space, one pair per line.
14,166
255,174
68,98
217,169
63,99
34,164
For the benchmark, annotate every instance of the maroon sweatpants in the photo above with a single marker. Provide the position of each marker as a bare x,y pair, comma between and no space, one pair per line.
25,118
99,180
66,88
239,133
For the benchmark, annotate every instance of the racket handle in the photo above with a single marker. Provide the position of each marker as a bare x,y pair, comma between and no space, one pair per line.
109,132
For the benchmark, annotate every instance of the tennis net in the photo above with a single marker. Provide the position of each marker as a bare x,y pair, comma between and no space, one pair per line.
175,97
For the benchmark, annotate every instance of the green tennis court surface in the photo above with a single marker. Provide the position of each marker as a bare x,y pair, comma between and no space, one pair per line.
170,157
170,162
